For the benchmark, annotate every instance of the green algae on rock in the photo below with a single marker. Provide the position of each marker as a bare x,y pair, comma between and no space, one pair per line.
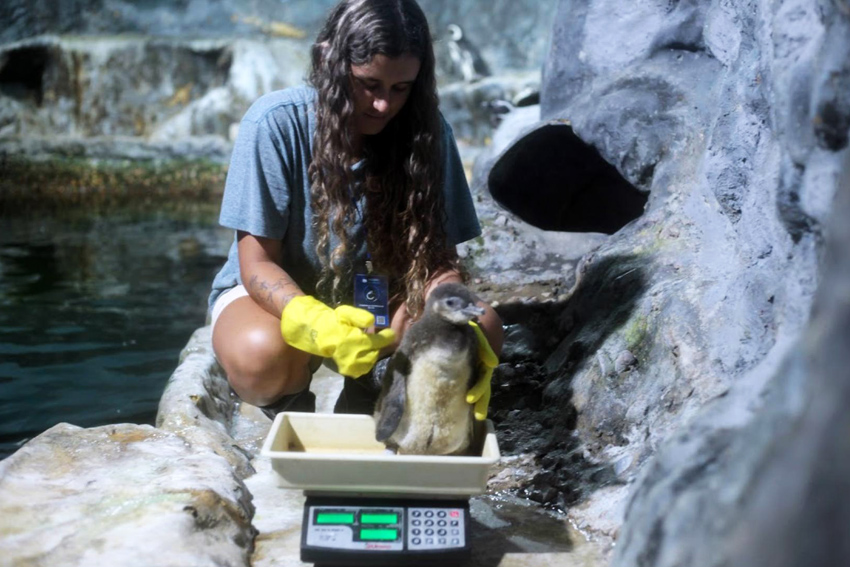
58,184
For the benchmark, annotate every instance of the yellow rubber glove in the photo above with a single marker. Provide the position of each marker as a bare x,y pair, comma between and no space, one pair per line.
479,394
309,325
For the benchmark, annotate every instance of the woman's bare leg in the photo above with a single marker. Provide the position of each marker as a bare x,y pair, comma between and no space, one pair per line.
260,366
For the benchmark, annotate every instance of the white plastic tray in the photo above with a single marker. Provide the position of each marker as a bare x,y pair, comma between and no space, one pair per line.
339,453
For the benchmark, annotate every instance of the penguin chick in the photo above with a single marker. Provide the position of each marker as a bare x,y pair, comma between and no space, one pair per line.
422,406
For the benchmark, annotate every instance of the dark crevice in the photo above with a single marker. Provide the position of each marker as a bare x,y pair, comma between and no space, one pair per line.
532,405
793,217
832,124
646,175
525,424
682,46
552,180
22,73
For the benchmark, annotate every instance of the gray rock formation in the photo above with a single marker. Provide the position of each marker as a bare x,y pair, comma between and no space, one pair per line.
121,495
520,43
198,404
135,97
729,121
654,368
761,482
114,79
799,510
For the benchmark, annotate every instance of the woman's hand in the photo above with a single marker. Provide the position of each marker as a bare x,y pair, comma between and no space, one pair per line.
479,394
311,326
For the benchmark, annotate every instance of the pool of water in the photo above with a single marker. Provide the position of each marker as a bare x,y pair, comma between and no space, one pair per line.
94,313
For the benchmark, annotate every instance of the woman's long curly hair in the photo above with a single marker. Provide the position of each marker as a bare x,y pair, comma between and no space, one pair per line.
404,212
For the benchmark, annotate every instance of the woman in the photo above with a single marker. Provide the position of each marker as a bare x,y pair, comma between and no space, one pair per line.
356,171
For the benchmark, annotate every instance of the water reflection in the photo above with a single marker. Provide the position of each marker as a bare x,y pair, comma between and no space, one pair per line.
93,314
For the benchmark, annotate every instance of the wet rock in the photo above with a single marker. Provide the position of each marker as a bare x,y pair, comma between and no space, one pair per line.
512,531
520,343
198,404
121,495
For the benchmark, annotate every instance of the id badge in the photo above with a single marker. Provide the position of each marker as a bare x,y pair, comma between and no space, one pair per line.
370,293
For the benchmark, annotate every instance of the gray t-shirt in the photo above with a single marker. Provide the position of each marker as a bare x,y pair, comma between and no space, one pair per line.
267,192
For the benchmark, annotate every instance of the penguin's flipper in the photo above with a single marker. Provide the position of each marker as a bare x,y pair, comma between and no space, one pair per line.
392,407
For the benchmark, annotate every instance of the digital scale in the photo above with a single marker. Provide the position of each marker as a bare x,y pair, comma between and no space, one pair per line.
363,531
367,507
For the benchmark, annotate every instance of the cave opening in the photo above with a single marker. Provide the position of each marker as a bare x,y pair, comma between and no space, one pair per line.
22,73
554,181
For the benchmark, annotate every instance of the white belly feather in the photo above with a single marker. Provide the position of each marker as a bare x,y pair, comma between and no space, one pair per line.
436,420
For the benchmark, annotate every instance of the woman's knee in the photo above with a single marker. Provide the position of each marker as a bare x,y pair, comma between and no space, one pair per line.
261,370
259,365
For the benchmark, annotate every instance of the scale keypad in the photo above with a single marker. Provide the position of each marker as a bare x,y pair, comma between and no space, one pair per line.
435,528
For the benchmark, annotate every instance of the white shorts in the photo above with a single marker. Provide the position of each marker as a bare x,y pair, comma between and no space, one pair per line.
235,293
224,300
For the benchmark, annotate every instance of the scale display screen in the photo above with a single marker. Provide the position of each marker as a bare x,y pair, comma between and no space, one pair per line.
372,531
366,518
378,535
334,518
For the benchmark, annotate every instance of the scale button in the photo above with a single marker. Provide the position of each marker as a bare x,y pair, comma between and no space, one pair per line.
441,532
429,541
455,532
454,513
429,532
442,541
416,531
455,522
441,523
429,513
441,514
416,522
416,513
416,541
455,541
429,522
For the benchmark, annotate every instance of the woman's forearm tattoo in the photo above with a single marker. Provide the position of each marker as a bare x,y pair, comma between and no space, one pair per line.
274,294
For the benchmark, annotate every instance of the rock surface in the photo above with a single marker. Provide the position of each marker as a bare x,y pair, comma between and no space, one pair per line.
198,404
731,121
761,481
654,382
108,79
136,97
196,491
520,44
121,495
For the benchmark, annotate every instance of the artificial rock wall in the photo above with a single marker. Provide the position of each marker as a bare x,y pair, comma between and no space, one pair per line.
731,119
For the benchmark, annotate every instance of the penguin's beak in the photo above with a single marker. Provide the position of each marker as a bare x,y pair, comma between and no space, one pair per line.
472,311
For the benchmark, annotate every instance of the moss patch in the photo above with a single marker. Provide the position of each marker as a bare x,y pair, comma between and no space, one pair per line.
637,333
63,185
